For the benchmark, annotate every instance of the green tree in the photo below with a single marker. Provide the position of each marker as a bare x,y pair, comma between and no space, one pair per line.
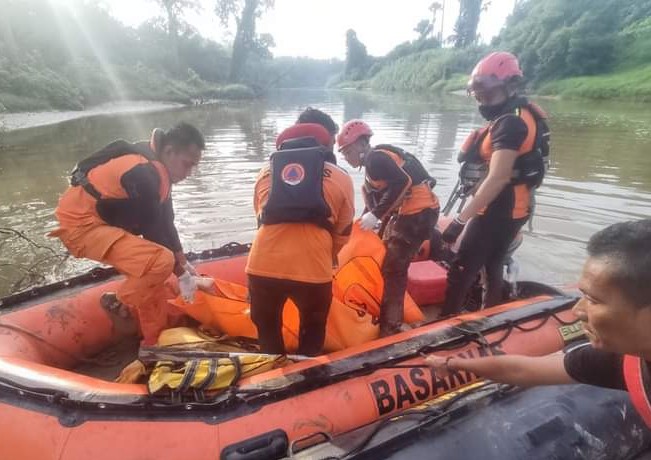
174,10
245,13
357,59
435,7
423,28
467,22
556,39
82,56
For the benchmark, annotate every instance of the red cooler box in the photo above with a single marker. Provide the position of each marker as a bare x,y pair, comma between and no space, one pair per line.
426,282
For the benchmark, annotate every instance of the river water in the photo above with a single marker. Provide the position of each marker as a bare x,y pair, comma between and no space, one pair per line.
600,173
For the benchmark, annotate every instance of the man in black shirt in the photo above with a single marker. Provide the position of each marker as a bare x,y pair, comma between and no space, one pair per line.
616,314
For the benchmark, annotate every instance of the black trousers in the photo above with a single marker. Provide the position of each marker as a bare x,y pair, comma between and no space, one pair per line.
268,296
402,238
485,244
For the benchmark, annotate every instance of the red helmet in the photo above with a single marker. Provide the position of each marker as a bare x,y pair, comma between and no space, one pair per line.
314,130
494,70
351,131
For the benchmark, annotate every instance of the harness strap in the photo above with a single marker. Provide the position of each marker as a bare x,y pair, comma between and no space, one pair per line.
81,179
188,376
211,376
116,149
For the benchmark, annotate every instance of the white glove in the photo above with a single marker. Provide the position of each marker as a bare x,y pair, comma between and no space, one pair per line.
187,286
368,221
188,267
205,283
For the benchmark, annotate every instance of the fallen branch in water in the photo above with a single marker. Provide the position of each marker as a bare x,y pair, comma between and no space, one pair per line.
11,232
19,276
34,274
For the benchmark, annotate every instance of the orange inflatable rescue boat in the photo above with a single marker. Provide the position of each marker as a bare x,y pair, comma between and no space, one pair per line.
206,398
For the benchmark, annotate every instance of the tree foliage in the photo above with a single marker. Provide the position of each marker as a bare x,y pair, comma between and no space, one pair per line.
553,39
557,39
357,59
434,8
466,27
69,57
424,28
247,41
174,10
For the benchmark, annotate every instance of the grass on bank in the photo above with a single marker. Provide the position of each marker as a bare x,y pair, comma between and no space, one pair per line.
632,84
433,71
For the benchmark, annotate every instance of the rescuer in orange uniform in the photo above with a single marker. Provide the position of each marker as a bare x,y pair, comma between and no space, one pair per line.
118,211
305,206
502,165
397,193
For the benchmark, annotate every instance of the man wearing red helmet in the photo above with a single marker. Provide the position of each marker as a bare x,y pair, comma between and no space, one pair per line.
397,193
503,163
305,207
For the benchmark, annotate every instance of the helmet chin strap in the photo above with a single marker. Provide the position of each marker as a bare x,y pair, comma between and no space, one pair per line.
362,157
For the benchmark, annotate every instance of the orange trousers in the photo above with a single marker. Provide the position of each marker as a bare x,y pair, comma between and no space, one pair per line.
145,264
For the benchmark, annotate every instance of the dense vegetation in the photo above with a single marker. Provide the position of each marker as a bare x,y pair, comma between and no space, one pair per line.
57,57
53,57
588,48
556,40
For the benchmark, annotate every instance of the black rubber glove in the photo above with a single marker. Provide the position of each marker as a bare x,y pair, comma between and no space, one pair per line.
453,231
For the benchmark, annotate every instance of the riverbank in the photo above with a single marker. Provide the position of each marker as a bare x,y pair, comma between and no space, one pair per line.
24,120
633,84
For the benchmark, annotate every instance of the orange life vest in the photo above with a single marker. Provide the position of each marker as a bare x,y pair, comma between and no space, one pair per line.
96,187
528,169
635,386
83,177
418,194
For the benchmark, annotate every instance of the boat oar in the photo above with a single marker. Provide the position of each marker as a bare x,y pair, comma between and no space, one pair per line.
152,354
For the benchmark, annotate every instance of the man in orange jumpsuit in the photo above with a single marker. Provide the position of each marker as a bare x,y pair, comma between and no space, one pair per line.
118,211
305,207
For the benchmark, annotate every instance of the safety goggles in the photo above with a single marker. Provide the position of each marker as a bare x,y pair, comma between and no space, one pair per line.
486,90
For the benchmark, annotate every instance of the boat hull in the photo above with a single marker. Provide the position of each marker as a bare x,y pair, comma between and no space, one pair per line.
48,411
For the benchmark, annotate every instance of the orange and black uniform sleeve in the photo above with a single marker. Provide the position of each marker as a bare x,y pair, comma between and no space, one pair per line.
380,167
508,133
142,185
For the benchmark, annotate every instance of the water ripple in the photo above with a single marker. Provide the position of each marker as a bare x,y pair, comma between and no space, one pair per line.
601,169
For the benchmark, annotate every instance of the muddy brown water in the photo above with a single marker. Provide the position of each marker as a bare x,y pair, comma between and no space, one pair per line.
601,170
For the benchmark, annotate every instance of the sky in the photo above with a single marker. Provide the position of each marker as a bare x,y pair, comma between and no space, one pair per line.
317,28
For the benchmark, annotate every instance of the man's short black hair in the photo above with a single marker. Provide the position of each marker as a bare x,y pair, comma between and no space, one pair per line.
312,115
184,135
628,245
